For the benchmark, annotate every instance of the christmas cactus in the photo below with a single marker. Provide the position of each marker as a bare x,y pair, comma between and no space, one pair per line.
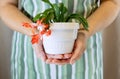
56,13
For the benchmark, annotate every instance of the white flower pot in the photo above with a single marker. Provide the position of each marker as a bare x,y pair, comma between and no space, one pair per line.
62,38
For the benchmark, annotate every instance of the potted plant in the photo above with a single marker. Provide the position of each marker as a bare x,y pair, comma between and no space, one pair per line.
57,28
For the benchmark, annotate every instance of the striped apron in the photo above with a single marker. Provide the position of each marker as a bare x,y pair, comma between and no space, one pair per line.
25,64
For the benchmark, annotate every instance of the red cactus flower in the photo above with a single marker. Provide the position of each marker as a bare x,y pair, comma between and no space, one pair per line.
35,38
48,32
27,25
42,31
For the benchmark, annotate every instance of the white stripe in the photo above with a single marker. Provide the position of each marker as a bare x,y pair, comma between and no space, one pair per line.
73,70
35,8
85,8
44,72
75,6
25,58
36,66
90,6
25,2
86,65
12,55
98,63
59,71
14,36
42,6
16,56
53,71
92,54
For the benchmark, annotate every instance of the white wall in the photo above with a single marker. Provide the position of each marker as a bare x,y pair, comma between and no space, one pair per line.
111,44
5,46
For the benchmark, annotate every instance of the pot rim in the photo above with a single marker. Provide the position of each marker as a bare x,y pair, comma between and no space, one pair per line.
64,25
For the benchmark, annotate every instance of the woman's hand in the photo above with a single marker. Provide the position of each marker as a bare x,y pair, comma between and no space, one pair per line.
60,59
50,58
39,51
79,47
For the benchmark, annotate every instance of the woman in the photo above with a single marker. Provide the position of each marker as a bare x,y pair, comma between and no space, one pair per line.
87,65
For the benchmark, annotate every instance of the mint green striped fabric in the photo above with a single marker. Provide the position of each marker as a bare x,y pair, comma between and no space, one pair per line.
25,65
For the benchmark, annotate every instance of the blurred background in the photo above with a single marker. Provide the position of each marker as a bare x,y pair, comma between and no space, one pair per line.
111,50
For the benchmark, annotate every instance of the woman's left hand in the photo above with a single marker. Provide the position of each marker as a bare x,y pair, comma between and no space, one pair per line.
79,47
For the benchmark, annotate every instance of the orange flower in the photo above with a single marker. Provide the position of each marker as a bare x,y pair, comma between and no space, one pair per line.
42,31
48,32
35,38
45,26
27,25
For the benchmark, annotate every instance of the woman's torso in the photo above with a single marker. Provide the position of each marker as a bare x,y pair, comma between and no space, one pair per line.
25,64
84,7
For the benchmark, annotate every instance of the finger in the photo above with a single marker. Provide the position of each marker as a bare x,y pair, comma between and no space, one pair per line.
36,51
59,56
61,62
49,60
77,52
58,62
43,55
42,52
39,51
67,56
78,56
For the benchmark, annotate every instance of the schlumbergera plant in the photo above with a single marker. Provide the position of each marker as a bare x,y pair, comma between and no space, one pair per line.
56,13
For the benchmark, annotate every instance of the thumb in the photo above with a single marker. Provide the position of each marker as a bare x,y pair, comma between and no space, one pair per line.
77,52
39,51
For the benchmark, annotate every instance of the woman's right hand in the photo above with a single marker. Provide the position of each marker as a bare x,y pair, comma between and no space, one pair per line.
50,58
39,51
